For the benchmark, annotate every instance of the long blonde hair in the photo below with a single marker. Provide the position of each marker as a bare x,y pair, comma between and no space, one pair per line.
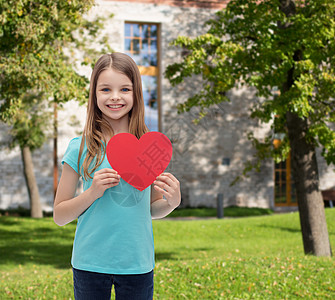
96,124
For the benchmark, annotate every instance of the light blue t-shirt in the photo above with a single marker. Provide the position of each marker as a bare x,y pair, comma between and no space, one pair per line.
114,235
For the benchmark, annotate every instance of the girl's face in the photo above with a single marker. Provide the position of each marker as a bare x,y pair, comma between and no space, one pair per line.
114,94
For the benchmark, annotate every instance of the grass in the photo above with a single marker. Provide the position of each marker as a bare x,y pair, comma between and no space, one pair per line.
232,211
245,258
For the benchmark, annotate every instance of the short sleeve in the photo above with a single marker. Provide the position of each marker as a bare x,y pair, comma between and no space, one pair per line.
71,154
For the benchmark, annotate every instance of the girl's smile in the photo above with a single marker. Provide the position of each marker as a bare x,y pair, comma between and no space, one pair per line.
115,106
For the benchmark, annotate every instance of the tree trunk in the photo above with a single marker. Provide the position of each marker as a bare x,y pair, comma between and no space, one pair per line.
28,170
306,177
305,168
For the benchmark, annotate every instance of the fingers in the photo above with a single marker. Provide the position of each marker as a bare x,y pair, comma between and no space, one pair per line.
102,176
102,180
107,181
106,177
163,191
167,184
106,170
167,180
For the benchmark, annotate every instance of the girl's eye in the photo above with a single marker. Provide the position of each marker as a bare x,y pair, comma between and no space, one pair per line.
105,89
125,90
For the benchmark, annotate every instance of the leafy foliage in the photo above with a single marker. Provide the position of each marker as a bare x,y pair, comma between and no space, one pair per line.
255,44
39,41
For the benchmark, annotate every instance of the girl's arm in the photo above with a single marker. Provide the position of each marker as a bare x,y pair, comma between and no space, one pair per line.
165,184
67,207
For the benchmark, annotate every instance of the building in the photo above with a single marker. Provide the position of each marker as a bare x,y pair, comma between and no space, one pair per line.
208,156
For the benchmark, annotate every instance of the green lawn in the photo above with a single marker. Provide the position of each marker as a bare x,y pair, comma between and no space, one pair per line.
231,211
245,258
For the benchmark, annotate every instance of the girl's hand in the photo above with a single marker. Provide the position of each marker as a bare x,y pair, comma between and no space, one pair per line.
102,180
169,186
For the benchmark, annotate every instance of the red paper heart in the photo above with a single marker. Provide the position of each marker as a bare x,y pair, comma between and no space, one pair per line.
139,162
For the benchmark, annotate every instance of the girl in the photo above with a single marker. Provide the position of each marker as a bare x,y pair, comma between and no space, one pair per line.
113,243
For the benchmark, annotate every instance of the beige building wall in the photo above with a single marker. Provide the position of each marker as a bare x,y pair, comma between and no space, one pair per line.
207,157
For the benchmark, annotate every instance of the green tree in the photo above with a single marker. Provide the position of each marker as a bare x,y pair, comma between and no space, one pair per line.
285,46
39,41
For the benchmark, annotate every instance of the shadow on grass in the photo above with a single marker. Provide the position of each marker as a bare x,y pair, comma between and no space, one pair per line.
9,221
22,253
41,242
281,228
180,253
22,244
164,255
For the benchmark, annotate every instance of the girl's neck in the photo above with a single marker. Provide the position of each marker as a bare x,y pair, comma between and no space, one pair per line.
118,126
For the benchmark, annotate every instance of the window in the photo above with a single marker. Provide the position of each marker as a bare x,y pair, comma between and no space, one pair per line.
285,193
141,43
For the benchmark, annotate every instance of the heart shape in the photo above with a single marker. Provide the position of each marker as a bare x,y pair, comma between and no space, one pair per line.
139,162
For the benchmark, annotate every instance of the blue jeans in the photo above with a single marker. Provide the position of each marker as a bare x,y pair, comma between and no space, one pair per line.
98,286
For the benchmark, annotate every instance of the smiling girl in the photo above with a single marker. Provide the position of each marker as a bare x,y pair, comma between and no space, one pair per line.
113,243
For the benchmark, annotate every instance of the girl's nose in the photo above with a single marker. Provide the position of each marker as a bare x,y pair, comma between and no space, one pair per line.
115,96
